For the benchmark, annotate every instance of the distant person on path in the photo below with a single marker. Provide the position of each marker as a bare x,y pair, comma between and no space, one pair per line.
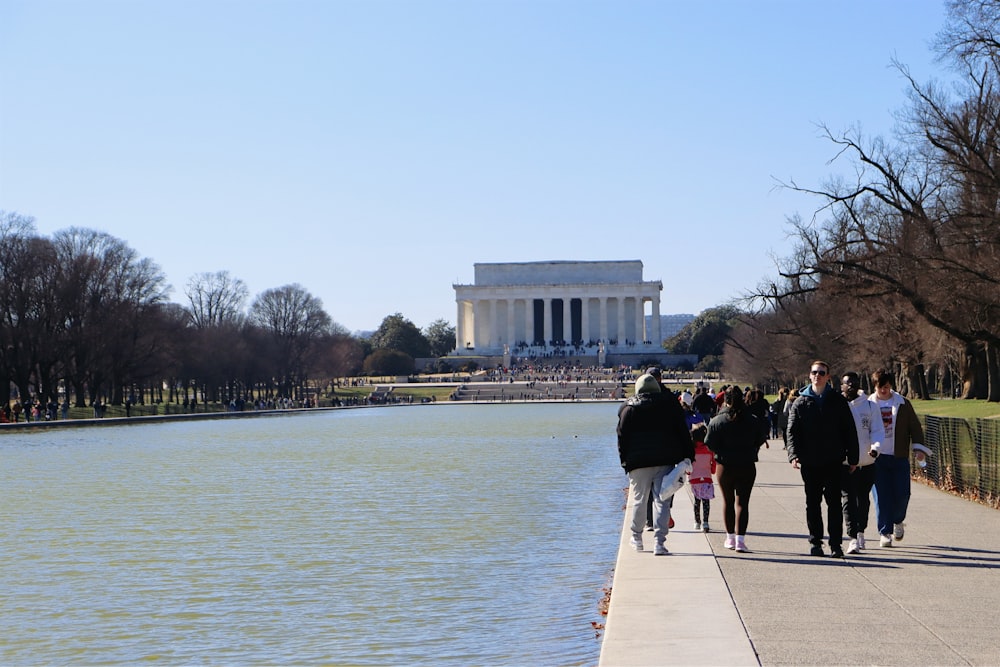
702,485
704,404
789,402
778,415
652,438
857,487
735,436
821,435
892,467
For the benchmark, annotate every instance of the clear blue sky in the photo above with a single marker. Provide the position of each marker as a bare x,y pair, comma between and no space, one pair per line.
373,151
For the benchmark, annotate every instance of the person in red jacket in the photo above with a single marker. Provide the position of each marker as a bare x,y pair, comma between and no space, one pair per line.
702,486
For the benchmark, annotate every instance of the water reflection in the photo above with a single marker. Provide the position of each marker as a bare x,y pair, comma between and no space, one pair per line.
454,534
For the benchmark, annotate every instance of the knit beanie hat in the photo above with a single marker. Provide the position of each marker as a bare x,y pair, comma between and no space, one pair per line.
647,384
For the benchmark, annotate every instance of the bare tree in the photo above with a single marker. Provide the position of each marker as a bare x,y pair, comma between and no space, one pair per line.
107,291
292,322
216,299
31,324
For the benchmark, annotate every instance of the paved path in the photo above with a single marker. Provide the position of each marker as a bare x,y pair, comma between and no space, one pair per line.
931,599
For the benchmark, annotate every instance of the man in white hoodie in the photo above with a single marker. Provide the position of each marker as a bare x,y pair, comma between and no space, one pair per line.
857,487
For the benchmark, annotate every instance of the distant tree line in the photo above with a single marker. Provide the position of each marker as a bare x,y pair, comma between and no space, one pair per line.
84,314
900,265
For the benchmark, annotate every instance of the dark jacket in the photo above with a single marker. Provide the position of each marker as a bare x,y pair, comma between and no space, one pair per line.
822,432
652,431
736,441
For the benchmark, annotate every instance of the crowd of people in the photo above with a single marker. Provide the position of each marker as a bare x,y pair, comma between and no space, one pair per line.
847,446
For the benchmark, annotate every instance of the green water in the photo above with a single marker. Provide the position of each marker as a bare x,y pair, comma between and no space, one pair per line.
451,534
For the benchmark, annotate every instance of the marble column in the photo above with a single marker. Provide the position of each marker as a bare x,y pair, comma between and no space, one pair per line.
567,319
604,319
529,320
621,321
657,337
547,320
640,320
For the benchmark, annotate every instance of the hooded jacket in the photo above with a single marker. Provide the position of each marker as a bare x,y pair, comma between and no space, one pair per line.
902,426
652,431
736,441
821,430
869,424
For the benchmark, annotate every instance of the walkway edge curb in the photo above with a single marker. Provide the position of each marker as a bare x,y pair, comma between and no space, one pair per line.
676,609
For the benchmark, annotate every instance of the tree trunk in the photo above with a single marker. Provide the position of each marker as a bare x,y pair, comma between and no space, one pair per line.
993,373
921,382
974,376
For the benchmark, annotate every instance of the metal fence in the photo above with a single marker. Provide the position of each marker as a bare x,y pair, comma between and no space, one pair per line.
966,458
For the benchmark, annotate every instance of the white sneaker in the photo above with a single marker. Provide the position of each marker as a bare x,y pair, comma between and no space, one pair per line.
885,541
705,527
660,550
861,541
853,547
741,546
636,542
730,542
898,531
697,527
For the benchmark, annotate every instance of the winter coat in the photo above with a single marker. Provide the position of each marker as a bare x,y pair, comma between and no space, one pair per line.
736,441
904,426
652,431
869,425
821,433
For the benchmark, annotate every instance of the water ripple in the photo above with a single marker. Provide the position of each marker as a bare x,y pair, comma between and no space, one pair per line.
445,535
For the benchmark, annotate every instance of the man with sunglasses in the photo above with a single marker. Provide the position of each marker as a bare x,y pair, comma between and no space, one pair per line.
821,436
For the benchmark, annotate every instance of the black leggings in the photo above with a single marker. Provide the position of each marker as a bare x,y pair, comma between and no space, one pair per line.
736,482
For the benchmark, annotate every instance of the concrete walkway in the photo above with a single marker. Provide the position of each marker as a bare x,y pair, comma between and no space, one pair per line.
931,599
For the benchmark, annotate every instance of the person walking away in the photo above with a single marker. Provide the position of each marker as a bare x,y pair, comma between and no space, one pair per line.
778,414
857,486
657,373
704,404
702,486
892,467
735,436
821,435
652,439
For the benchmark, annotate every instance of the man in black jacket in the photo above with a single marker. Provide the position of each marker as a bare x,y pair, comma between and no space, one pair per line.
653,437
821,436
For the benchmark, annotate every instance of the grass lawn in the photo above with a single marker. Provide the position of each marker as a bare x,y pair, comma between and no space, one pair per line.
945,407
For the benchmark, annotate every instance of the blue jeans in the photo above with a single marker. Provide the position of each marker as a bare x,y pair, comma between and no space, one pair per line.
642,482
891,492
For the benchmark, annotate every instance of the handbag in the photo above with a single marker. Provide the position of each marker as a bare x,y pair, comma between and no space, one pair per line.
673,481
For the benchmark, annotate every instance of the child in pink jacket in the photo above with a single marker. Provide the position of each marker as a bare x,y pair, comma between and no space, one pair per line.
703,467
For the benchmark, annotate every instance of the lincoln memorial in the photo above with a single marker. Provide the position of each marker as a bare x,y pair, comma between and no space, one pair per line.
547,305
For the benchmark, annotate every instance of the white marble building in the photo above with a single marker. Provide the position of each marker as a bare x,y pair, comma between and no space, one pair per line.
546,304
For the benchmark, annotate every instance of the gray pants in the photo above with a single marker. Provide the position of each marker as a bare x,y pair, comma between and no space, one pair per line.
642,482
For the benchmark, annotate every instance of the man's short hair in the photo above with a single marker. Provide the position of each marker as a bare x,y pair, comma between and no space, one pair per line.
882,377
820,362
655,372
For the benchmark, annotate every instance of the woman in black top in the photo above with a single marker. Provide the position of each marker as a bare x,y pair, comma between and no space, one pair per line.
735,436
